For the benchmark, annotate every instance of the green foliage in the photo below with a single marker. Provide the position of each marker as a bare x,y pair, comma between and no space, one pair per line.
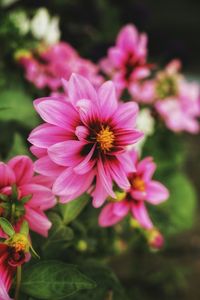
178,212
108,286
17,118
59,238
7,227
19,147
16,105
71,210
54,280
166,148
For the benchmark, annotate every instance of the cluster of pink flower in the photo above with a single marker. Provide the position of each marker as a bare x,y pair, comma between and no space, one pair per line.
46,65
82,146
176,100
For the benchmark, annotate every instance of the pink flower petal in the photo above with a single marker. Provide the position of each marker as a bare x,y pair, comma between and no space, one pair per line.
146,168
38,221
99,194
117,174
3,292
126,115
80,88
107,216
7,176
22,166
46,135
69,183
121,208
47,167
156,192
42,197
107,99
127,38
87,163
138,195
57,113
141,215
104,176
66,153
88,111
116,56
38,152
82,133
127,162
127,137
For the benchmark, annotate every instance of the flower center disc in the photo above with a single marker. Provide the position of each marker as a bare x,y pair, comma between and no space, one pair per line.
138,184
105,138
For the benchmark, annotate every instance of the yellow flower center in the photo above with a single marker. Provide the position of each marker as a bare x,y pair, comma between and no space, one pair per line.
105,138
19,242
120,196
166,86
138,184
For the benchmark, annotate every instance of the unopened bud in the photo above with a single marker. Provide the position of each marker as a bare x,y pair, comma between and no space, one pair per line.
155,239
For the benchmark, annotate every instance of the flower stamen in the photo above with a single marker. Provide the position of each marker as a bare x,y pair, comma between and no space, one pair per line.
138,184
105,138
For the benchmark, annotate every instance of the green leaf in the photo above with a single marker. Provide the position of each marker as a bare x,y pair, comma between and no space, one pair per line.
54,280
3,197
178,212
19,147
59,238
24,228
108,286
71,210
25,199
7,227
18,105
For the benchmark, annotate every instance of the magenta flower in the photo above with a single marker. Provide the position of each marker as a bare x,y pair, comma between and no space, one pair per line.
57,61
83,141
142,189
22,195
126,61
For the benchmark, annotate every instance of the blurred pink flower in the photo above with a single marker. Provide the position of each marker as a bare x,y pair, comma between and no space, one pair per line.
126,62
178,101
55,62
23,195
83,140
142,189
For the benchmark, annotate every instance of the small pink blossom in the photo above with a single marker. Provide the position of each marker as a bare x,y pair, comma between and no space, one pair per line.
26,194
126,62
55,62
142,189
178,101
83,140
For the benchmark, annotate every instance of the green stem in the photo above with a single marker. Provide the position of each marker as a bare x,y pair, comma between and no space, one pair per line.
18,282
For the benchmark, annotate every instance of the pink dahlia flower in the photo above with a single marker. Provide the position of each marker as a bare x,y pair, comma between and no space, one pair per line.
55,62
83,140
178,101
142,189
22,195
126,61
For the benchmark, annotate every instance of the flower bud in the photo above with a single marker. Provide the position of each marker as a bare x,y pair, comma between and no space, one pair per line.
155,239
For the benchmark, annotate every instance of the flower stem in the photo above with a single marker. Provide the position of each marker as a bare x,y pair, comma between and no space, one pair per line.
18,282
